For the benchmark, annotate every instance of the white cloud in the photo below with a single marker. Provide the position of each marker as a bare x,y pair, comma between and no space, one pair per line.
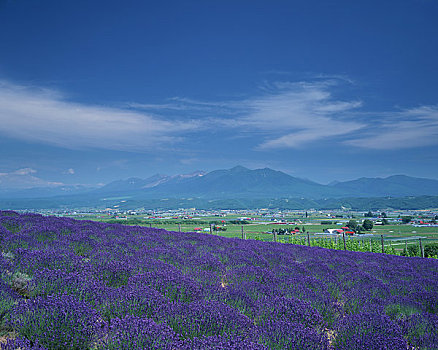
286,115
44,116
300,113
20,172
290,115
416,127
23,178
283,115
24,171
70,171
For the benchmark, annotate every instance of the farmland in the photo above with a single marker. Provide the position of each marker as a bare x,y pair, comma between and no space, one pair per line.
70,284
259,224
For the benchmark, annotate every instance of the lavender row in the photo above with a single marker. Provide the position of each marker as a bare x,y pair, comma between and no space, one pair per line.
68,284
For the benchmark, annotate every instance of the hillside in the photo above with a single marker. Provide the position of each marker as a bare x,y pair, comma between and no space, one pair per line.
233,188
240,182
87,285
394,186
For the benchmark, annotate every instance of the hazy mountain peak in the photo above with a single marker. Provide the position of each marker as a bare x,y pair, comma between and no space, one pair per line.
241,182
395,185
332,183
238,168
134,180
156,176
193,174
24,179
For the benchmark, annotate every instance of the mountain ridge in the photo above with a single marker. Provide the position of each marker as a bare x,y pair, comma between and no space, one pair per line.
239,182
394,185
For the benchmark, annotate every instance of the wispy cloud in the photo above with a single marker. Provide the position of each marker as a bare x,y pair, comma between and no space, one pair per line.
416,127
24,178
22,171
191,106
40,115
292,115
299,114
70,171
283,115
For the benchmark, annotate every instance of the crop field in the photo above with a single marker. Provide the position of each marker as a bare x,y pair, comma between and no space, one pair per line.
396,237
71,284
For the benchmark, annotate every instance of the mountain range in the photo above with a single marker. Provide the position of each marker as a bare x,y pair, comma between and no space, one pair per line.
237,182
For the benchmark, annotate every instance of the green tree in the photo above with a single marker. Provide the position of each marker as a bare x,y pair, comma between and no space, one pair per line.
431,250
406,219
367,224
413,250
383,215
369,214
352,224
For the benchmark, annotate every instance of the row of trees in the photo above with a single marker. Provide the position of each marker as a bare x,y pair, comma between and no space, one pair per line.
430,250
367,225
286,231
370,214
404,219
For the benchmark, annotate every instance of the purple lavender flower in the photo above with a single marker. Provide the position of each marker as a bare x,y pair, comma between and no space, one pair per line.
92,285
57,322
22,344
421,330
206,318
223,342
276,334
369,331
133,332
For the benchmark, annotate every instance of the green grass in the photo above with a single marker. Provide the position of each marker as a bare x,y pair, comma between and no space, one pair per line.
396,235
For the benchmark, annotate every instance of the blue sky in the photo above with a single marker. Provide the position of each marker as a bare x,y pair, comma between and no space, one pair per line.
93,91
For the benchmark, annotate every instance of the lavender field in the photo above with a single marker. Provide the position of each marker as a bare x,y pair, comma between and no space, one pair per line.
68,284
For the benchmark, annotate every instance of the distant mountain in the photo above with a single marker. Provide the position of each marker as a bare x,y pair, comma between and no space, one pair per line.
45,192
23,183
238,183
369,203
135,185
132,184
392,186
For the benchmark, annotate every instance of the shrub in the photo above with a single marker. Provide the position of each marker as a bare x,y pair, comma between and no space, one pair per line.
133,332
366,331
431,250
59,322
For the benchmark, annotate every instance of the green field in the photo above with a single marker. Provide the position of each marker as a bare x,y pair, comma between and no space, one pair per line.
396,237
